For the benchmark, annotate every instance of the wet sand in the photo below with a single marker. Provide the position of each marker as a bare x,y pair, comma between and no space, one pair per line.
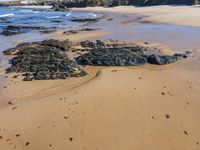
112,108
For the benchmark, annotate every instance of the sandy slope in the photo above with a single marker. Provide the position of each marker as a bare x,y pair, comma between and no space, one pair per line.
136,108
123,109
179,15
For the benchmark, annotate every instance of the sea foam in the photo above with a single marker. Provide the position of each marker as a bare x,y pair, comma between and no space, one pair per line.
6,15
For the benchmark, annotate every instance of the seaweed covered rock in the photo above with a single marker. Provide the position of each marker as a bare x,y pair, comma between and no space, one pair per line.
121,54
102,54
43,61
62,45
161,60
9,33
18,29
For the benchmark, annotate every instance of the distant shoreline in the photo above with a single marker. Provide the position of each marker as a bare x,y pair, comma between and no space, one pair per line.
33,7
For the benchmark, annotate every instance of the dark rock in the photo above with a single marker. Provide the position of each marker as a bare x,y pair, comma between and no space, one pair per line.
88,43
63,45
161,60
9,33
18,29
59,6
70,32
112,57
89,29
114,53
44,61
47,31
85,19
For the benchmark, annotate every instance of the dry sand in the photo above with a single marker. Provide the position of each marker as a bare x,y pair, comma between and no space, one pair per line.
113,108
179,15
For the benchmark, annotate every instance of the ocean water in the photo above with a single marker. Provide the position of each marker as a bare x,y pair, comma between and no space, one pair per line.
42,18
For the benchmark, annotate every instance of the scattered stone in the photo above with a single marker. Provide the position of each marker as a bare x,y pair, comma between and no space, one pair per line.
109,19
14,108
17,135
185,132
70,139
15,76
27,143
89,29
47,31
10,103
163,93
114,71
70,32
76,31
167,116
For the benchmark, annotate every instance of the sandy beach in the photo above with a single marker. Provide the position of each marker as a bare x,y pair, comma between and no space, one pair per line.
112,108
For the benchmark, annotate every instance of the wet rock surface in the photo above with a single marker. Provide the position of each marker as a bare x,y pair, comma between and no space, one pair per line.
80,30
9,33
43,61
62,45
13,30
47,31
121,54
48,59
84,19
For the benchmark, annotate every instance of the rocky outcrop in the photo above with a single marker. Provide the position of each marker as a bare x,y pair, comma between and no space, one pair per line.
103,54
13,30
43,61
48,59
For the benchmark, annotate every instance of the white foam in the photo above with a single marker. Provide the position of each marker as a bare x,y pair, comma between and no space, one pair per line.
6,15
30,11
68,14
53,17
94,15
